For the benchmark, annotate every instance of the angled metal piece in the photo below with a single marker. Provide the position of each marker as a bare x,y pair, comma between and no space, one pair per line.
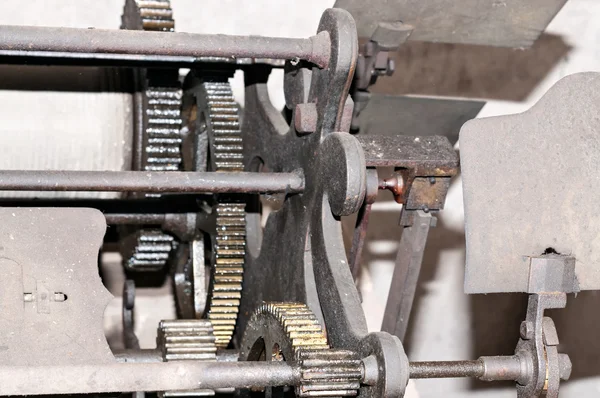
524,179
406,274
416,116
487,22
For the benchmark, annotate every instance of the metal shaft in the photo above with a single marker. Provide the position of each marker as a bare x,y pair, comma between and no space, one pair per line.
406,275
14,40
492,368
446,369
129,377
154,182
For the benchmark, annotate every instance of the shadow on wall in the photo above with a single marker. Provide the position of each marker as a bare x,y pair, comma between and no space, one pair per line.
65,78
472,71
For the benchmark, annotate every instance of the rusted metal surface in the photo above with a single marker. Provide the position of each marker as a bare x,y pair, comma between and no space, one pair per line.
426,156
140,45
427,193
154,182
129,377
395,185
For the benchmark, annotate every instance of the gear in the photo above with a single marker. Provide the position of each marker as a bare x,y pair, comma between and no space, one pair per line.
162,124
187,340
150,251
291,332
220,120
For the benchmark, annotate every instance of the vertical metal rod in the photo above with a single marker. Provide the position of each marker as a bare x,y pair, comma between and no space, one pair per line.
406,274
358,239
362,223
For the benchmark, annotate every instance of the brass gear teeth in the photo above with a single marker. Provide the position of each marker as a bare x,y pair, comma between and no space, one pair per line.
230,241
299,323
325,372
187,340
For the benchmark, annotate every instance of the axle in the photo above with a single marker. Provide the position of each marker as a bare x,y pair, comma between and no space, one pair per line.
152,182
122,46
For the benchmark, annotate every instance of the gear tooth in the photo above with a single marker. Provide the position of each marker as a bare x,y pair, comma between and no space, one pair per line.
162,116
230,243
325,372
328,373
187,340
151,251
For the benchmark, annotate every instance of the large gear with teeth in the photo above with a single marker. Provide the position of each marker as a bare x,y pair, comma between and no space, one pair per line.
218,118
291,332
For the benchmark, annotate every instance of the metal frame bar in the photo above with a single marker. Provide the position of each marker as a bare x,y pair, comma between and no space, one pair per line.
129,377
122,46
152,182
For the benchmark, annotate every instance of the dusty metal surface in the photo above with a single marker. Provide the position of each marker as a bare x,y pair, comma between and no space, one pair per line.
146,181
88,44
487,22
52,297
524,179
425,156
443,369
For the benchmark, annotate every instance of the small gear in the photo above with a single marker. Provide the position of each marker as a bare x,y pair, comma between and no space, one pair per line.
150,250
161,143
291,332
187,340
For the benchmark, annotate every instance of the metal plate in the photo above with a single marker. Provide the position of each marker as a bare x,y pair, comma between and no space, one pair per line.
531,181
417,116
516,23
52,297
424,156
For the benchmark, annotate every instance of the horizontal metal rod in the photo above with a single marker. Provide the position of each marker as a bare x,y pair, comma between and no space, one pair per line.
155,355
488,368
135,218
19,40
446,369
151,182
130,377
61,58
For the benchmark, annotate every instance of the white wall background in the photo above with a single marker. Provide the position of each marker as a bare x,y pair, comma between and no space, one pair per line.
444,327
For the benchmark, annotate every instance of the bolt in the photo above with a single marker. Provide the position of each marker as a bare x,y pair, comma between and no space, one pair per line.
564,366
526,330
432,180
305,118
